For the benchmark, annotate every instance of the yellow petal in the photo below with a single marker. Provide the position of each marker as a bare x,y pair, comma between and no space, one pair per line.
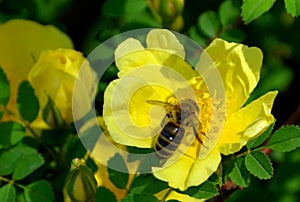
54,74
21,43
247,123
163,48
118,119
162,39
126,47
189,171
173,195
239,67
130,54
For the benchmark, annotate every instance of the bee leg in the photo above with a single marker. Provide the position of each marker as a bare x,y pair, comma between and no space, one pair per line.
196,135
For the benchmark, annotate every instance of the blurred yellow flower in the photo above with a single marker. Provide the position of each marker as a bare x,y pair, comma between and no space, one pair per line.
21,44
131,121
54,74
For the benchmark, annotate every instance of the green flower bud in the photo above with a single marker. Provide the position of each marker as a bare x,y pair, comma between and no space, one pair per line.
168,10
80,183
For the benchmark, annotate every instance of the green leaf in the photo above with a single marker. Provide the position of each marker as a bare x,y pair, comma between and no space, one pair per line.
196,36
259,165
8,193
173,200
9,158
119,179
155,187
104,194
233,34
144,197
240,174
141,182
293,7
52,115
229,12
260,139
26,165
138,185
285,139
113,8
39,191
12,133
27,102
4,92
253,9
134,8
209,23
204,191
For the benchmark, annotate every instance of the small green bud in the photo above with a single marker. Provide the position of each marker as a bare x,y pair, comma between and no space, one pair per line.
81,184
168,10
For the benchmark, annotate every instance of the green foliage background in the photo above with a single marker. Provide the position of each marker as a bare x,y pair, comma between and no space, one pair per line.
270,25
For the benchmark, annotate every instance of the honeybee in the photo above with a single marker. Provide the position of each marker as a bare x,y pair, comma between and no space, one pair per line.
174,125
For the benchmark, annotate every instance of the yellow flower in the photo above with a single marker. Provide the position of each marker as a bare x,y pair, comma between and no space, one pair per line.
160,72
21,43
54,74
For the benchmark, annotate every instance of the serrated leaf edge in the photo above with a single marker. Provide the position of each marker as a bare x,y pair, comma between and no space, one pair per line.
269,161
282,128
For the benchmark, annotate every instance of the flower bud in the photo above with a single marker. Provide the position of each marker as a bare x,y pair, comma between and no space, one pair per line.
168,10
54,76
80,184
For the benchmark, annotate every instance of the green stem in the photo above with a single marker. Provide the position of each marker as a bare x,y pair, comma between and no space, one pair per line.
247,152
11,182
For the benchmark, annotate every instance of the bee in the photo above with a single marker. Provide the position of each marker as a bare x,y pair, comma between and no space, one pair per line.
174,125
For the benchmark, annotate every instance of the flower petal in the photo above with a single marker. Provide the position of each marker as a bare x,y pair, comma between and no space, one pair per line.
238,65
130,54
21,43
173,195
116,114
163,48
165,40
247,123
188,171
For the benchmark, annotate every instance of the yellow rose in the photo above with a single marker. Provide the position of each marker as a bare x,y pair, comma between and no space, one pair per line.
54,74
155,72
21,44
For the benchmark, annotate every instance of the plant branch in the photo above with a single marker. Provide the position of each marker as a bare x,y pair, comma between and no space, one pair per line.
229,187
11,182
